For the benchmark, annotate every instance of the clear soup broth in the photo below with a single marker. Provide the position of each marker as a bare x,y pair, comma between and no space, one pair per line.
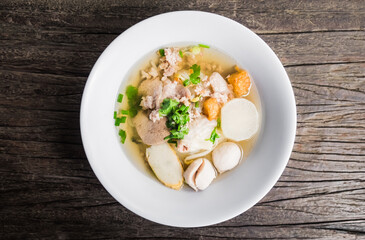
211,60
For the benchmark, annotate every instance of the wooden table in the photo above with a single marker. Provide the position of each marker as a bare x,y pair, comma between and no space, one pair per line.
48,190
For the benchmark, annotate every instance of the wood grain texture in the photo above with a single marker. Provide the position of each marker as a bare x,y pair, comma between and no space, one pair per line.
48,190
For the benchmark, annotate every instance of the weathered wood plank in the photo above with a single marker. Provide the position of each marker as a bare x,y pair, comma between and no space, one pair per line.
74,59
291,208
261,16
47,188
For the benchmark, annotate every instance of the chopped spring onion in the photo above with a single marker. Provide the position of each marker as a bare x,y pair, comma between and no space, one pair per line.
195,50
186,82
125,112
162,52
196,104
120,98
218,123
118,121
115,114
181,54
123,119
203,46
123,135
213,136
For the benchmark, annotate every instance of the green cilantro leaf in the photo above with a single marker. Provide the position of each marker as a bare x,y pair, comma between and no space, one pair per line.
194,77
133,100
177,119
167,106
131,92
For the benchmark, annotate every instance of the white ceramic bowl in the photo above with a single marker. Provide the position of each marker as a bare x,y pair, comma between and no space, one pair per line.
237,191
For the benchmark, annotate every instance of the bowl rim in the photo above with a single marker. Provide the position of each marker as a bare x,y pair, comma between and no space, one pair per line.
87,147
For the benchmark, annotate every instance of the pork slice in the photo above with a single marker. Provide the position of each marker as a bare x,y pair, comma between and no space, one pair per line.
153,72
151,133
169,89
169,63
155,116
147,102
185,101
202,90
150,73
150,87
194,112
182,92
172,56
218,83
174,90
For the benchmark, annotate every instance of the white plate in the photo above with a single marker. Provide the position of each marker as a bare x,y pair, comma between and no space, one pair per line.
237,191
